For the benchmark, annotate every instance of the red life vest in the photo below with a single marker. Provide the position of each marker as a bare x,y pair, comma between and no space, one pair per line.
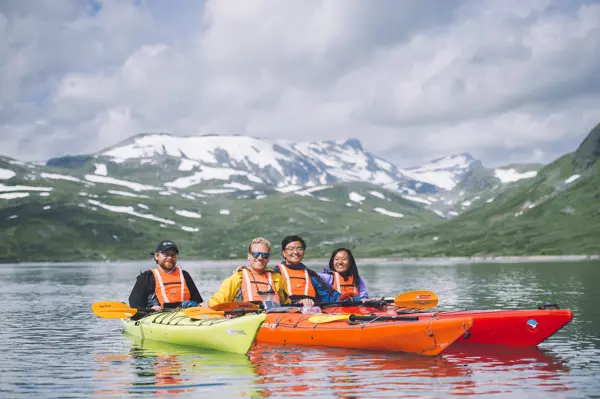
254,282
344,286
170,287
298,282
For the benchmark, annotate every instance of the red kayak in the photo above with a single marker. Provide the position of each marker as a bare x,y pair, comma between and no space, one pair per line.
527,327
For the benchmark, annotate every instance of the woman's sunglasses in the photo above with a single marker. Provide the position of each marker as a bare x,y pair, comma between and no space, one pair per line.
265,255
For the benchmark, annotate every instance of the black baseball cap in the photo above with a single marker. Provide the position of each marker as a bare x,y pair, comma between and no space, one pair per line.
165,245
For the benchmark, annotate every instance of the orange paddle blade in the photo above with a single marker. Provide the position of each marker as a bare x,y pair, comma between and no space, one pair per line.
113,310
419,299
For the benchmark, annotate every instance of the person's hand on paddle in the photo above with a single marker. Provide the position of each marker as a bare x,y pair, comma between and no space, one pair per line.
306,302
157,308
345,298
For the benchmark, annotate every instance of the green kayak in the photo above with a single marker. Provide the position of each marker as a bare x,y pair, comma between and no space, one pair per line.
235,335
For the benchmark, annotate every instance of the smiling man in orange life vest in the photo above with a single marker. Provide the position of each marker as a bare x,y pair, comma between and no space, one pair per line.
166,286
303,284
254,282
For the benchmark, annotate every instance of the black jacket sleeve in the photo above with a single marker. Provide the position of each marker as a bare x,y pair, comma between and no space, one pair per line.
194,293
143,288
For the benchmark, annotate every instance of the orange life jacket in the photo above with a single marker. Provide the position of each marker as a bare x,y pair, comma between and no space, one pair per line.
170,287
344,287
298,282
254,282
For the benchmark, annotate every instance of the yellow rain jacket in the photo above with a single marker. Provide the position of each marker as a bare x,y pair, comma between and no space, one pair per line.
231,288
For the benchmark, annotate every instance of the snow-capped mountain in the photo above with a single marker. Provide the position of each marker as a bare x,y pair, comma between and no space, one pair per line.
445,172
279,164
252,168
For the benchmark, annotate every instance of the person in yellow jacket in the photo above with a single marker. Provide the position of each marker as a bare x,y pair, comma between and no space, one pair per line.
254,282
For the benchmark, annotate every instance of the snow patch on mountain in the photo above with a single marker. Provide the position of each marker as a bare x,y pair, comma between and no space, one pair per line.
219,191
356,197
238,186
377,194
572,179
417,199
512,175
55,176
6,174
309,191
4,188
118,182
126,194
13,195
288,189
188,214
388,213
101,169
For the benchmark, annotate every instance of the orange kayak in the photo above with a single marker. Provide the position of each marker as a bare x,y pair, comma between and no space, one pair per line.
429,336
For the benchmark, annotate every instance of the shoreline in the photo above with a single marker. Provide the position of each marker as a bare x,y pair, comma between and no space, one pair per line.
450,260
454,260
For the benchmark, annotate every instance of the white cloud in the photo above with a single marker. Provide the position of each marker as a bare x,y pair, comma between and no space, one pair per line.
412,80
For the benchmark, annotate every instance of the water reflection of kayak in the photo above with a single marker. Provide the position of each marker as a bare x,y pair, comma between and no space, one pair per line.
294,369
195,356
529,357
528,327
350,373
174,369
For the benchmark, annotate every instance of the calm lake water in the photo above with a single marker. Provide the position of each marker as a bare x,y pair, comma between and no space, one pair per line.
52,346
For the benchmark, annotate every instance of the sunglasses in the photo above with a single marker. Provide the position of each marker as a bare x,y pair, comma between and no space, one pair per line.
265,255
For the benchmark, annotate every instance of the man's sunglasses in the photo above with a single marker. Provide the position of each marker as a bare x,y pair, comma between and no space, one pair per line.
265,255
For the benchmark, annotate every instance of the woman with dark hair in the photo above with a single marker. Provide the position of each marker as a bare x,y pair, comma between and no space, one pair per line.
343,275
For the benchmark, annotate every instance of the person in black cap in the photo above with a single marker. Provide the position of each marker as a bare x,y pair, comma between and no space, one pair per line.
165,286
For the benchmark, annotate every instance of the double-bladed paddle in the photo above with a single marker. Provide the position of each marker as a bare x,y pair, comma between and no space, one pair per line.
419,299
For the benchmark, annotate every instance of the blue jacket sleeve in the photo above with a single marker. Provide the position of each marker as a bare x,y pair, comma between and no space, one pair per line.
324,292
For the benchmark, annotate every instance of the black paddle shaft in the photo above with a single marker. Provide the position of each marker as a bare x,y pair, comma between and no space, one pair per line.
354,317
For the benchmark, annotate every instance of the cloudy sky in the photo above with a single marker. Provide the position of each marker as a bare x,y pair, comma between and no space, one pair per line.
506,81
